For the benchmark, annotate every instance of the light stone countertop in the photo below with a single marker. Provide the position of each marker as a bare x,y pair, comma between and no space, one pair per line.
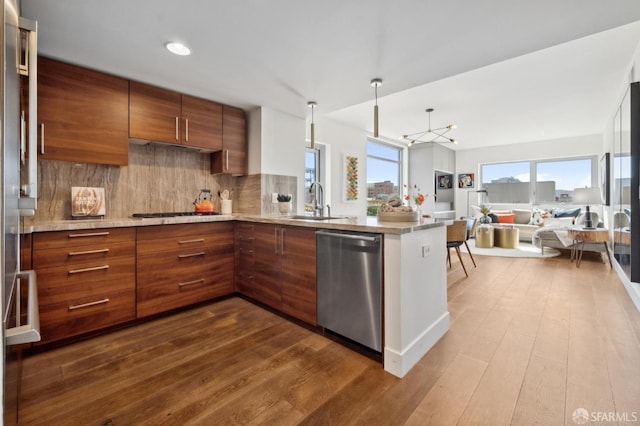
351,223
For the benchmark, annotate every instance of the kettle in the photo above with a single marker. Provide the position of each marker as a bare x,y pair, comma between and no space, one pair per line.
203,203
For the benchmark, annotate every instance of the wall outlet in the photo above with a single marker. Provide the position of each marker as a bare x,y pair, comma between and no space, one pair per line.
274,197
426,250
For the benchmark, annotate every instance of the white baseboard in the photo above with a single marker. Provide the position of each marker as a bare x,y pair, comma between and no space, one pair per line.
399,364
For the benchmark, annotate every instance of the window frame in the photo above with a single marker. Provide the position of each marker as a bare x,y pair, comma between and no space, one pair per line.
533,176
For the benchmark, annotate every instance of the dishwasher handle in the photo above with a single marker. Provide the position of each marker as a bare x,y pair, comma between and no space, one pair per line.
348,236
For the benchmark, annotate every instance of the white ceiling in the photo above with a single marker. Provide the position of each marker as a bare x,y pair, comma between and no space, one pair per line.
504,71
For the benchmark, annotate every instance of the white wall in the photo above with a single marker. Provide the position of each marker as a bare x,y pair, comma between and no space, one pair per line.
342,140
468,161
277,146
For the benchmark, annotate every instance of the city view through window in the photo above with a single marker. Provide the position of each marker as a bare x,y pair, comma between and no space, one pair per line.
384,174
536,182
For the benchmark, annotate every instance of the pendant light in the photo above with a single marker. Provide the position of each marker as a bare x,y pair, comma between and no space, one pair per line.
312,105
376,82
431,135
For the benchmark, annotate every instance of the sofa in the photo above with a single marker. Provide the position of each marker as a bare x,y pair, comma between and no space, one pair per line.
528,221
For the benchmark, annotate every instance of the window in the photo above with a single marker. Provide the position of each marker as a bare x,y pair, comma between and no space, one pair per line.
547,181
311,174
384,174
556,180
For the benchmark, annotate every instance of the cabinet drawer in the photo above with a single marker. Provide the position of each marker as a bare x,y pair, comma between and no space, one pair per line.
183,230
85,280
66,239
204,238
79,316
245,283
189,290
170,268
97,253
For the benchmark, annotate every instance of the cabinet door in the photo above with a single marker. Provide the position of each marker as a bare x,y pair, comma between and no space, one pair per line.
267,246
202,123
154,113
83,114
233,157
299,273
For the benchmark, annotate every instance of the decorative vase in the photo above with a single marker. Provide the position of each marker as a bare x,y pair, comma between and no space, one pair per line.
285,207
484,220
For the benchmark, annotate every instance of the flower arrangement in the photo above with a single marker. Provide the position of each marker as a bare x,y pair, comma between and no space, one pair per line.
413,193
485,210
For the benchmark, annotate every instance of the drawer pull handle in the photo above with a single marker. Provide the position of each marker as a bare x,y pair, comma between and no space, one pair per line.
95,268
86,305
246,251
199,240
90,234
78,253
201,280
246,238
182,256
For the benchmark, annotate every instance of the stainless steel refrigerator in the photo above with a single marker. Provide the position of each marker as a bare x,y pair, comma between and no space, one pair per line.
18,138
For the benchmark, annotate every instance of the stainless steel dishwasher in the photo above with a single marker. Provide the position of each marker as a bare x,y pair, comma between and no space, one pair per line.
349,274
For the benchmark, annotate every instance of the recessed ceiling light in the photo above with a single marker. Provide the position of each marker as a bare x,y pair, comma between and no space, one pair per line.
178,48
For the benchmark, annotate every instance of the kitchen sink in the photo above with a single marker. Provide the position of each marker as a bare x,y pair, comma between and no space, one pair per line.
306,217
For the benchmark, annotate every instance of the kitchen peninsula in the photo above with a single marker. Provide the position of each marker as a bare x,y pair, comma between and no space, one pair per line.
414,273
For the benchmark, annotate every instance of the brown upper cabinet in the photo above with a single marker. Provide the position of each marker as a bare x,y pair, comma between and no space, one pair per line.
233,157
82,114
161,115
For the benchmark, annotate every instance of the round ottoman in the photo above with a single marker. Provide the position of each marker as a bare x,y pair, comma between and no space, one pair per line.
484,236
506,237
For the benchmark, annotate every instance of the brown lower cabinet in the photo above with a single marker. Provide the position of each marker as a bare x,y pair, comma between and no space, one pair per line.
89,280
277,267
178,265
86,280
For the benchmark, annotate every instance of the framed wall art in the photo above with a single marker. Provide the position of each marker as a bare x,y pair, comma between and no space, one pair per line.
445,182
466,180
350,178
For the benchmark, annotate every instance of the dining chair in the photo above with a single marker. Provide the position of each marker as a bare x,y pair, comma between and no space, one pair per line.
471,232
456,236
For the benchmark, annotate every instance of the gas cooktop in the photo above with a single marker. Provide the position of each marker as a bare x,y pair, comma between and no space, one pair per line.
172,214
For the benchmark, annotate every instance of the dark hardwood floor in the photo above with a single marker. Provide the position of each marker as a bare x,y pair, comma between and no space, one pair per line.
531,340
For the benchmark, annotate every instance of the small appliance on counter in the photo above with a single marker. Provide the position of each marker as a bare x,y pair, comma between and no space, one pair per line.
203,203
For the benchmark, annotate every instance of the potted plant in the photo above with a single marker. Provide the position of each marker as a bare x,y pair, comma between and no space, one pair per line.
485,219
284,203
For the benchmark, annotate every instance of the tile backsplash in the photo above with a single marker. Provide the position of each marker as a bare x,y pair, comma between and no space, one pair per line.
157,179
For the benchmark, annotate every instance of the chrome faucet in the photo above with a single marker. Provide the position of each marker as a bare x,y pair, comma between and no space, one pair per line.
318,205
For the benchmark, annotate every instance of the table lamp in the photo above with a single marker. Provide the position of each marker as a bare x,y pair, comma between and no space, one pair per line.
587,197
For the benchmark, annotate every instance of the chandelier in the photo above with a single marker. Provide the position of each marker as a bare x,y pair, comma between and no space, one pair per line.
431,135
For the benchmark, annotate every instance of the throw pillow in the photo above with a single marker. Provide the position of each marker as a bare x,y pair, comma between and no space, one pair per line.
566,212
505,217
522,217
538,216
